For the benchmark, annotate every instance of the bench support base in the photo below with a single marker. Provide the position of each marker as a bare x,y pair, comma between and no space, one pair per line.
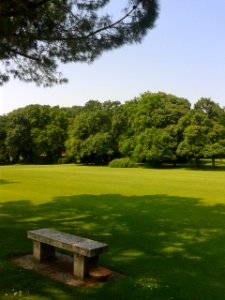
43,252
82,265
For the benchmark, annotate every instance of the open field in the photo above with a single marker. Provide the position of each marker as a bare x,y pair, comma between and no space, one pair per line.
165,229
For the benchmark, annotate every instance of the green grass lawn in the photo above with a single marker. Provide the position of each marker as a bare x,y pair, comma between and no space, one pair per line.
165,229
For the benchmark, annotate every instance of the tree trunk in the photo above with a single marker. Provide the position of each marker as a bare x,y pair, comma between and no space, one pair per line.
213,161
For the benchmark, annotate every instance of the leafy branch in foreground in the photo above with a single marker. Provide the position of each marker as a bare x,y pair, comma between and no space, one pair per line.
37,35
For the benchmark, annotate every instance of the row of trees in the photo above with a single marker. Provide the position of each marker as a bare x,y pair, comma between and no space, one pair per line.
154,128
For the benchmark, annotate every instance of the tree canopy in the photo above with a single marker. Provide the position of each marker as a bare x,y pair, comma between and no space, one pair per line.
37,35
155,128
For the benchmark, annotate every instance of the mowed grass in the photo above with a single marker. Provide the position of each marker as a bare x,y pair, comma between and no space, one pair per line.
165,229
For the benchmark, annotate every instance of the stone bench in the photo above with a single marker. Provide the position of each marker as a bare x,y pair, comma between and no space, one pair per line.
85,251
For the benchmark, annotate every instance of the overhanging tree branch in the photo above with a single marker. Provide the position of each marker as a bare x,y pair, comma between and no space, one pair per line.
48,31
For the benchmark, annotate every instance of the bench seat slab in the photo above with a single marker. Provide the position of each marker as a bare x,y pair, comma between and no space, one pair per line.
73,243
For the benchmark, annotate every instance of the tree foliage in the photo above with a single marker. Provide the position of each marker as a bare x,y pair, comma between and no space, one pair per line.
154,128
90,134
37,35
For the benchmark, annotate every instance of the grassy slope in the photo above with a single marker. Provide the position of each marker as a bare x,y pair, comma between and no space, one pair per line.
165,229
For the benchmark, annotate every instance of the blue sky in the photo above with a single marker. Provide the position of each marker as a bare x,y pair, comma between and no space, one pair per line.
183,55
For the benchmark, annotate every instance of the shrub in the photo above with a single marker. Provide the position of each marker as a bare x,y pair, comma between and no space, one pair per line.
63,160
124,162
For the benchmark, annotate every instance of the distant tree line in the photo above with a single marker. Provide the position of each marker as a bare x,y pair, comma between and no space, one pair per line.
154,128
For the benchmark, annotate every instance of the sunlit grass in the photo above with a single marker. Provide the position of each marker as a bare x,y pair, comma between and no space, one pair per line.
42,183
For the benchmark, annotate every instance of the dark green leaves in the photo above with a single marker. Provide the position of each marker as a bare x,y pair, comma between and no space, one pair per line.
37,35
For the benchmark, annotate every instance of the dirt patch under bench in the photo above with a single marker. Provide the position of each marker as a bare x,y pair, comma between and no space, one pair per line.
60,269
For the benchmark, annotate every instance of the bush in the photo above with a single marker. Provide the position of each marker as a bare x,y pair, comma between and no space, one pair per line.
124,162
63,160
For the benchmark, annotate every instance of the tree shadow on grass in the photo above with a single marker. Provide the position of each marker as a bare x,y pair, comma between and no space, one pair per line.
169,247
3,181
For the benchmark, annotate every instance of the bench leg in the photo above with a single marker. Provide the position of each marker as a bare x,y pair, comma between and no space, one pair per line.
82,265
43,252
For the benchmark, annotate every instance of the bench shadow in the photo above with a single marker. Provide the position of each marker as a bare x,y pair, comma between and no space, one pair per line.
167,246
